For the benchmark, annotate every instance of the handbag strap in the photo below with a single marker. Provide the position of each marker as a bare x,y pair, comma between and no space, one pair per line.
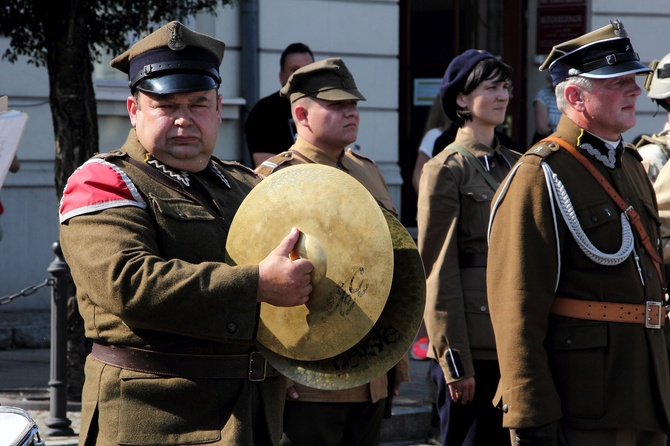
166,182
630,212
478,165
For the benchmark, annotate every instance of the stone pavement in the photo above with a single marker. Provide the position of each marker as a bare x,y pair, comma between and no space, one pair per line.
24,378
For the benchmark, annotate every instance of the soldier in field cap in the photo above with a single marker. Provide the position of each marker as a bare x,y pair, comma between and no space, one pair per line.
324,102
575,273
144,230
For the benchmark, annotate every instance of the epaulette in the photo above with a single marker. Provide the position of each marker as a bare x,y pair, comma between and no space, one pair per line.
543,149
236,165
358,155
632,149
110,155
269,165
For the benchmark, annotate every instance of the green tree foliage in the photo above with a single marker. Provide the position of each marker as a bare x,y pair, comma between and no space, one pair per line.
68,36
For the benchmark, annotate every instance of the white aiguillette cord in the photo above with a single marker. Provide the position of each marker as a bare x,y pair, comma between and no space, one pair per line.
630,212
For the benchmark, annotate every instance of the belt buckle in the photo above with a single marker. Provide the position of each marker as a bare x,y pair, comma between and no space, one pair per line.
652,306
253,357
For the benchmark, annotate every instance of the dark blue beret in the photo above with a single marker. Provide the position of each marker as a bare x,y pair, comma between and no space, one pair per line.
455,77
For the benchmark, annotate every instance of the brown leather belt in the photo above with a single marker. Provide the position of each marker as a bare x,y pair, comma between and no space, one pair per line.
650,314
252,366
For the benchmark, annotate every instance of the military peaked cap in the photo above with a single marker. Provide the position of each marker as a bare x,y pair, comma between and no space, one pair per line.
172,59
603,53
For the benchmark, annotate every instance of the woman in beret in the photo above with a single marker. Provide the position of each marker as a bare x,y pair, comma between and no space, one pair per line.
455,194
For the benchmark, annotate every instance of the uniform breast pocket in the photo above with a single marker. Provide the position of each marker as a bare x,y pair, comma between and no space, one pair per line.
179,209
475,209
598,223
186,228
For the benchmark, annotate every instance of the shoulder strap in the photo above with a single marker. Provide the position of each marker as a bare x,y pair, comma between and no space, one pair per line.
631,213
166,182
478,165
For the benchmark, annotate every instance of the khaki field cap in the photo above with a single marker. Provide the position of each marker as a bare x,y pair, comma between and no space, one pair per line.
603,53
327,79
172,59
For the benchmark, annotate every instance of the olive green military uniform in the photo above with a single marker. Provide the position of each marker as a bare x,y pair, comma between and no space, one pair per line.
589,374
367,173
453,214
148,262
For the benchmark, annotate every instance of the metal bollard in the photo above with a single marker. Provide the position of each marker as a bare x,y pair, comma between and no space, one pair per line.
58,424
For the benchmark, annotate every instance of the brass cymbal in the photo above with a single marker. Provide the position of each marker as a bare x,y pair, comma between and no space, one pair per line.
345,235
389,339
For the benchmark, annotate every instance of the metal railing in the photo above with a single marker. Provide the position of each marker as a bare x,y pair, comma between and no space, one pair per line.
57,424
25,292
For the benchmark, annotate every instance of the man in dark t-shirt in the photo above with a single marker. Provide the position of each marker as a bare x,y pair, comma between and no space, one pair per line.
269,129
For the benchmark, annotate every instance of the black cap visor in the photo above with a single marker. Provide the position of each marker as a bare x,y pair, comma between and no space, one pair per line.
622,69
177,83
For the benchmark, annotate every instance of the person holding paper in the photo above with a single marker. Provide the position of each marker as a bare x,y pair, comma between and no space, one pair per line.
13,167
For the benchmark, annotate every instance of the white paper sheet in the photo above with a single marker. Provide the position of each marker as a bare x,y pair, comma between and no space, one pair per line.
12,124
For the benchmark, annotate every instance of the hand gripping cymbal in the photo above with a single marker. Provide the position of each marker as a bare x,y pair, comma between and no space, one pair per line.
345,235
389,339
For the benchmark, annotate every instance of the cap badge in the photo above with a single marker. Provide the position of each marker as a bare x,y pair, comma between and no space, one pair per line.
618,28
176,39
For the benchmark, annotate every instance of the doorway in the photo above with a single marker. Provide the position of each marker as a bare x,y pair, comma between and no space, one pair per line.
432,32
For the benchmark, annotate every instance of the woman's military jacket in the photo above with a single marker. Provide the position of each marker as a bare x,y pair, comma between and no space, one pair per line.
149,267
453,213
590,374
367,173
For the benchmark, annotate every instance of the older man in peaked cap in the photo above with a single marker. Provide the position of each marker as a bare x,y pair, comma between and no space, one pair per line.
324,102
574,269
144,231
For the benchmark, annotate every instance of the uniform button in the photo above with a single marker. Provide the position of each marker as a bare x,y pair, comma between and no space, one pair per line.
232,327
505,408
568,341
483,308
485,197
649,274
594,219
